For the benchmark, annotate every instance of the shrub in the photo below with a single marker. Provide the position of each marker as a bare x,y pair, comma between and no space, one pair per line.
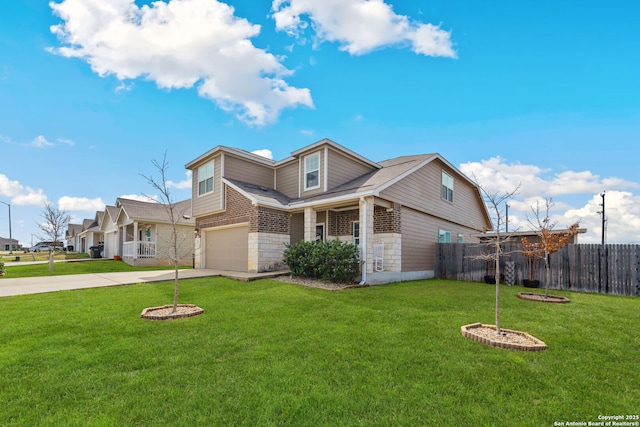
335,261
2,270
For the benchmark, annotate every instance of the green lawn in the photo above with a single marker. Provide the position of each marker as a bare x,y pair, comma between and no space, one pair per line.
268,353
78,267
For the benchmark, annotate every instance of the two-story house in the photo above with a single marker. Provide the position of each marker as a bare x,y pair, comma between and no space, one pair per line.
247,207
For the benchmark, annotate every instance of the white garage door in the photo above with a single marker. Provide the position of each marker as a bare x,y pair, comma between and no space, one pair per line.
227,248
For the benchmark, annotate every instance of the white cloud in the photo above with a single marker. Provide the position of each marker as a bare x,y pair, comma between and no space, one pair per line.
41,142
264,153
19,194
186,183
69,203
9,188
576,197
180,44
360,26
31,197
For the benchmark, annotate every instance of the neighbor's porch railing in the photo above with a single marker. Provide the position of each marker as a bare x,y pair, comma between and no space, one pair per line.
144,249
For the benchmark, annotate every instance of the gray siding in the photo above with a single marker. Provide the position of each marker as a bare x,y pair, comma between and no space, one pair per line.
287,179
420,233
297,228
343,169
422,191
246,171
210,202
418,244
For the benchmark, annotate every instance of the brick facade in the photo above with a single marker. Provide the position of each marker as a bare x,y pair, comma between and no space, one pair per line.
240,209
341,223
387,222
272,221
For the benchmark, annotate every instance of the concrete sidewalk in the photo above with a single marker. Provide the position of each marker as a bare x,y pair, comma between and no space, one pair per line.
36,285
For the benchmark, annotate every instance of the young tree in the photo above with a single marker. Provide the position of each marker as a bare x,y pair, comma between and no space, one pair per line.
495,201
178,249
550,241
55,221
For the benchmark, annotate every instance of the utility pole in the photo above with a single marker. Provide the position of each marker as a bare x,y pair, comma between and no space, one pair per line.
507,218
604,218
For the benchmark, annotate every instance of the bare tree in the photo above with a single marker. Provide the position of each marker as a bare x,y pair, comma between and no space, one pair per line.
495,201
55,221
177,251
550,241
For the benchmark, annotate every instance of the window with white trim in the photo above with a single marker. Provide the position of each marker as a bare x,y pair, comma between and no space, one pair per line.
444,236
460,238
312,171
356,233
447,186
205,178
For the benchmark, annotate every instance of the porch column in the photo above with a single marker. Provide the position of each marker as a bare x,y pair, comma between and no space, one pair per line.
135,240
309,224
366,232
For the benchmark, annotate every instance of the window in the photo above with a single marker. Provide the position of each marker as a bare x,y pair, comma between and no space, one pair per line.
205,178
460,238
444,237
312,171
447,186
356,233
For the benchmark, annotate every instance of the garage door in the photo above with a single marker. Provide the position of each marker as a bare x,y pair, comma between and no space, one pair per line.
227,248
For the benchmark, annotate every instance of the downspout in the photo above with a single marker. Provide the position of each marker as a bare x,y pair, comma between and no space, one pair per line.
363,241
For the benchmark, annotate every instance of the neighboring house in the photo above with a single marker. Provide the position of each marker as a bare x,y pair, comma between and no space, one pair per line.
8,244
91,236
109,229
144,232
72,238
532,236
247,207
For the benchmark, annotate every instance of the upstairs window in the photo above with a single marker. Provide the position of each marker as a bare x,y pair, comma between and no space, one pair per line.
444,236
312,171
205,178
447,187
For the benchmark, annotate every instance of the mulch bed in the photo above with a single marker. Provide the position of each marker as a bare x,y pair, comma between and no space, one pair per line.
165,312
507,339
541,298
313,283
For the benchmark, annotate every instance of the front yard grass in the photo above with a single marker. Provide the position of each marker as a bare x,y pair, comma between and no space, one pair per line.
76,267
270,353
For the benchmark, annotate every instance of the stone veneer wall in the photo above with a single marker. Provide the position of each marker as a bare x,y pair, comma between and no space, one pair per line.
392,250
265,251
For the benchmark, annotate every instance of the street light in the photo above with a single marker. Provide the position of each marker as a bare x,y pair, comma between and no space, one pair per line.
10,237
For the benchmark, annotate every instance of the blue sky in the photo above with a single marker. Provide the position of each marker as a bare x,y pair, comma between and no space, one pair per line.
545,94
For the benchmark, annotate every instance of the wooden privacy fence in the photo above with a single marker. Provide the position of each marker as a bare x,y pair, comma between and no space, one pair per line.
606,269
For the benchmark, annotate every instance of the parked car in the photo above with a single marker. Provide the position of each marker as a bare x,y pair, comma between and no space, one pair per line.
41,248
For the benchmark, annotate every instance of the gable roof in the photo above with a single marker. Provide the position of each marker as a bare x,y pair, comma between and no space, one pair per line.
154,212
73,230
